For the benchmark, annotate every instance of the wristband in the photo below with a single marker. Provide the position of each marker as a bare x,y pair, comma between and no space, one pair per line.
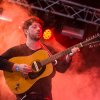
17,68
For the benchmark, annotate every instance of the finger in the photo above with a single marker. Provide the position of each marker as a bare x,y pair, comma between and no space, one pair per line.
25,75
27,70
78,49
28,67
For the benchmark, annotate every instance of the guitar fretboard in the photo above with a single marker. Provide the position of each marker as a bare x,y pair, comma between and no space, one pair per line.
58,55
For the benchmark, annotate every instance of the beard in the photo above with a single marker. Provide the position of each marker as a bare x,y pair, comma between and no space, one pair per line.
35,37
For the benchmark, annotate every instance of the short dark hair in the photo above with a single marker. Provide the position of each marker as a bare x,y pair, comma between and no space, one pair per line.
29,21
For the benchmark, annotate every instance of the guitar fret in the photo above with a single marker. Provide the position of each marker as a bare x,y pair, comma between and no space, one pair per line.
54,57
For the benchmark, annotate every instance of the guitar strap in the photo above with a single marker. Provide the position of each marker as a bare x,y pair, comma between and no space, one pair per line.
45,48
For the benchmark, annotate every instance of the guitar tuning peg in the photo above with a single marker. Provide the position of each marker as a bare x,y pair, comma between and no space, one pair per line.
90,46
94,45
86,39
93,36
98,34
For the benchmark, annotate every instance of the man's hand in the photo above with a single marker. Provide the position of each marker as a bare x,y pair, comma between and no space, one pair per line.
73,51
23,68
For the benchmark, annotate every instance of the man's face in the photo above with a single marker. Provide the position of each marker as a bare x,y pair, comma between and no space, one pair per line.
35,31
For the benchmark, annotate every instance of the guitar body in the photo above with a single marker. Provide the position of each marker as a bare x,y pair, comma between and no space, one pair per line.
16,82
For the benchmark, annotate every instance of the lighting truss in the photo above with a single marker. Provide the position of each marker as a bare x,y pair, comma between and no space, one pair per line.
66,9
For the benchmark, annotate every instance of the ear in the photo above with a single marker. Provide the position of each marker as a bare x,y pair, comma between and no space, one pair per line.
26,31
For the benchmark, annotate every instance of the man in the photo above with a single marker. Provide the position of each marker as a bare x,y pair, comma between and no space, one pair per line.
41,90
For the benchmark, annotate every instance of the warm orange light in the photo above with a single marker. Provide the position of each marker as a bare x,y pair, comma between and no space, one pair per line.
47,34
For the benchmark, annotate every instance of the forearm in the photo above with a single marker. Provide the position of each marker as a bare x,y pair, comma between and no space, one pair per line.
5,64
63,64
15,67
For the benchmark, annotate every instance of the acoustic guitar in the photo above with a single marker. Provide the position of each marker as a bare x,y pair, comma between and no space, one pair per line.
41,64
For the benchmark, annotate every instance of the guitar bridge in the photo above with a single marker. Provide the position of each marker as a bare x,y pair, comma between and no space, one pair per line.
17,86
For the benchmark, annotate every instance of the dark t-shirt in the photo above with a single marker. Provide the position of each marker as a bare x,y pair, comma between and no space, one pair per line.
42,86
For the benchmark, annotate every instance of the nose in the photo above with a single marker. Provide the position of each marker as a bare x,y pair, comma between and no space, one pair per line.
38,28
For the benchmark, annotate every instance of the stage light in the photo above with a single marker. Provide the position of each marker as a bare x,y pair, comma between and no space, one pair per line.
47,34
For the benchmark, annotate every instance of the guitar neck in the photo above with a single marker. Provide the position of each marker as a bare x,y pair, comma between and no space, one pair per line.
87,42
58,55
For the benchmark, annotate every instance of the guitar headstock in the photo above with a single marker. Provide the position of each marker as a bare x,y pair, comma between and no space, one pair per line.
92,41
94,44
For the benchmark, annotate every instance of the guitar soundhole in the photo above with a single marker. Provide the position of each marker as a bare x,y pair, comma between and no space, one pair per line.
35,73
38,66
